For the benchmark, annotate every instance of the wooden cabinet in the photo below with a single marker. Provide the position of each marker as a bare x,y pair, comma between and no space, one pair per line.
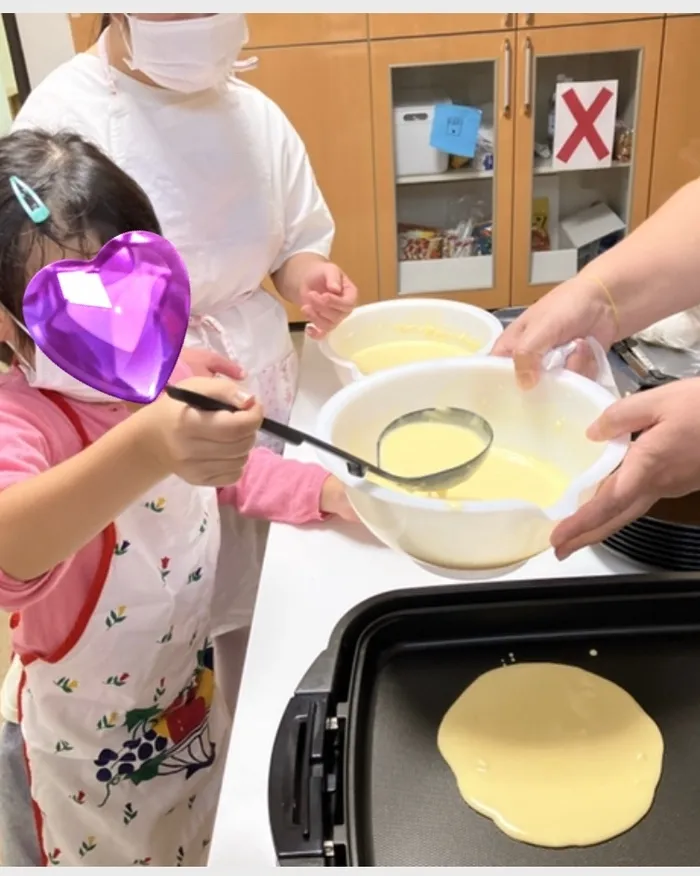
296,28
626,52
386,25
677,135
561,19
325,92
512,77
85,28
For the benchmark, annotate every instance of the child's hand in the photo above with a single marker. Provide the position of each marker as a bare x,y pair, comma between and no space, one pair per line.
334,500
208,448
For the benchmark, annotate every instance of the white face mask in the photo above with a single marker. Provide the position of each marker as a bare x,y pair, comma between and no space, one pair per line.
44,374
189,55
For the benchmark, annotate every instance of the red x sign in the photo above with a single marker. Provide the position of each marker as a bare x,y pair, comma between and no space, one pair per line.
585,124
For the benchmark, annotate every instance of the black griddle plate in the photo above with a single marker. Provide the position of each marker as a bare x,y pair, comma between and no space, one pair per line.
397,663
414,814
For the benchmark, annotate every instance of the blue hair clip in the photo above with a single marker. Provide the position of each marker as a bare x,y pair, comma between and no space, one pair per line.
30,202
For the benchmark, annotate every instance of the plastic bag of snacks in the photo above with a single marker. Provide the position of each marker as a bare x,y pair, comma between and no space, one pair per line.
540,225
418,244
459,241
483,238
624,141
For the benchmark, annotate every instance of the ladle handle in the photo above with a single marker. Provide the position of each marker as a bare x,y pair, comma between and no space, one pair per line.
357,467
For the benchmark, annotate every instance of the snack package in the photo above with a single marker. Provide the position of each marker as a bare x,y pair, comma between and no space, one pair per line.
624,141
540,225
483,238
459,241
484,156
459,162
418,244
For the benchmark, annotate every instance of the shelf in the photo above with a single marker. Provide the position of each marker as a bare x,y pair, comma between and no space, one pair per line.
434,276
448,176
553,266
542,167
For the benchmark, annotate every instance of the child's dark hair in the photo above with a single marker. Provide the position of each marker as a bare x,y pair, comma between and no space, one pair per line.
90,199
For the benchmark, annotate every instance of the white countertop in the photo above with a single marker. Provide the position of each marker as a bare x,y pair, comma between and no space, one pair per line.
310,579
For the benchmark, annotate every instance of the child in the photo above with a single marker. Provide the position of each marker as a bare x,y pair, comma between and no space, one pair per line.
107,557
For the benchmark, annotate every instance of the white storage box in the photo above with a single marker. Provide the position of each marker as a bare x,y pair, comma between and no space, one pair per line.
412,150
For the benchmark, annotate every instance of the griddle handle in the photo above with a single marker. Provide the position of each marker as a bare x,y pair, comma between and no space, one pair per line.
296,781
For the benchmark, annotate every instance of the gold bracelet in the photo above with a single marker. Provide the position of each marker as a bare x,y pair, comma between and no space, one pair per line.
611,300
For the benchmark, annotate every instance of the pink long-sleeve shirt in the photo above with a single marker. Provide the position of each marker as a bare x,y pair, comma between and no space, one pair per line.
35,435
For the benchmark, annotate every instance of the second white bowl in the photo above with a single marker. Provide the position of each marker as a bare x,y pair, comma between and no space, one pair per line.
378,323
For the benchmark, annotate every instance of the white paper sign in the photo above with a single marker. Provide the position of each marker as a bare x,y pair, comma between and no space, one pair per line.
584,124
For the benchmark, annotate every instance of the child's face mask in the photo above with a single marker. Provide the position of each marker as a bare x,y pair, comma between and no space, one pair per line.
44,374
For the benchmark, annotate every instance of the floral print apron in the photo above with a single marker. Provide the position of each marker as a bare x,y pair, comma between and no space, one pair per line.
124,725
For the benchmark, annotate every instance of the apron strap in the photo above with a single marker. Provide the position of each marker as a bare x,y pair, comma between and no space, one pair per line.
201,324
109,543
69,412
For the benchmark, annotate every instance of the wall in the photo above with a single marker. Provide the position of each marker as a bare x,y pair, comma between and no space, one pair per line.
46,42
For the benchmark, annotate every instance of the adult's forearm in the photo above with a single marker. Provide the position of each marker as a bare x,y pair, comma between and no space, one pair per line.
655,272
289,278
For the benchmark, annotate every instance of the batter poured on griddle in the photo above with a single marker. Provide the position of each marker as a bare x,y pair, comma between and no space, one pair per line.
554,755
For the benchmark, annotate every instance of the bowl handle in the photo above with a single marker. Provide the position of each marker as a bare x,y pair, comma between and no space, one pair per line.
558,357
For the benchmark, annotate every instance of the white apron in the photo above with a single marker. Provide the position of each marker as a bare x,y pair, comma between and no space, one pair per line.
198,159
125,731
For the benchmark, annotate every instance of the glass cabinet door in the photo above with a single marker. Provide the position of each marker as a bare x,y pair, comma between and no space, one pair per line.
583,162
443,218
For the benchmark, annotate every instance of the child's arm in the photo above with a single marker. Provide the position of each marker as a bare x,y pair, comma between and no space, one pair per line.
47,518
49,514
285,491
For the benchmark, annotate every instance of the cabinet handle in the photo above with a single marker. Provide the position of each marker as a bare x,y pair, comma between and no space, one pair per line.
507,20
506,79
528,77
529,19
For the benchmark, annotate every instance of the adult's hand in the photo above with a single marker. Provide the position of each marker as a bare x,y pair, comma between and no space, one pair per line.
576,309
207,363
664,462
326,296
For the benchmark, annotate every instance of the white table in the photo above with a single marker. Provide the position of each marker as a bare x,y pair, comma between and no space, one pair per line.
310,578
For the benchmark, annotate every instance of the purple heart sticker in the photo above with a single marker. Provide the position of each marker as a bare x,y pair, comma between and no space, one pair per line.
117,322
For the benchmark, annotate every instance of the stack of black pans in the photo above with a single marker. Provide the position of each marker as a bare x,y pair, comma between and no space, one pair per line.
668,537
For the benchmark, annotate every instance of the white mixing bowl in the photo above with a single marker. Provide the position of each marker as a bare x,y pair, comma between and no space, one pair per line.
548,422
377,323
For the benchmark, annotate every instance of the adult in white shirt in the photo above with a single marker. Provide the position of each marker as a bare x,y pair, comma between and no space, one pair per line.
234,191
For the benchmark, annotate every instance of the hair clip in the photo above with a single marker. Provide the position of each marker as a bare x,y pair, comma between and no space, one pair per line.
30,202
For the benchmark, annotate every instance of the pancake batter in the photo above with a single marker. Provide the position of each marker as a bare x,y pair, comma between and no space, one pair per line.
431,344
554,755
418,449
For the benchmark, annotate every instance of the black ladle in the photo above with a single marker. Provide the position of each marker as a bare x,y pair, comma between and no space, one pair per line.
357,467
